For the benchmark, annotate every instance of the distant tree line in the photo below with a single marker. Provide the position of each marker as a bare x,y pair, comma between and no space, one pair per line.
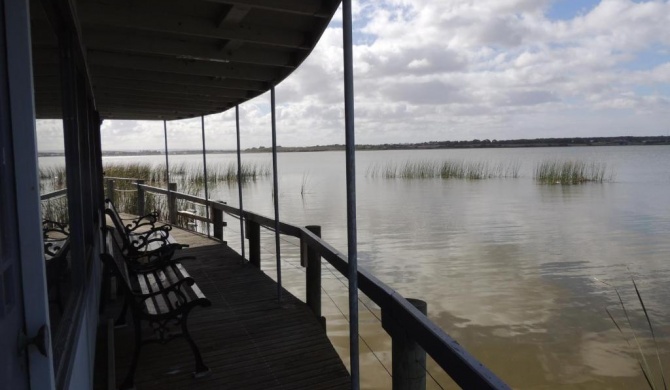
475,143
485,143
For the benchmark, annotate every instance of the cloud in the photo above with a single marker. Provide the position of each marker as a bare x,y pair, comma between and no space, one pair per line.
453,69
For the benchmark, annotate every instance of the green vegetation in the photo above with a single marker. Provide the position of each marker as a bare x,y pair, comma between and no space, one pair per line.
449,169
52,178
642,361
190,180
571,172
186,172
55,209
304,184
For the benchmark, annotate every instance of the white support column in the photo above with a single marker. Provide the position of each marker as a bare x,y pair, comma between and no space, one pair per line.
21,97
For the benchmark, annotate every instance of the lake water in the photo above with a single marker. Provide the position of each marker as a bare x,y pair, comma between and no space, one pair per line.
512,269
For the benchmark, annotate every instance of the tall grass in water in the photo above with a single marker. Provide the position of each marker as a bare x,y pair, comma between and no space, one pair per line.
571,172
448,169
304,184
187,173
55,209
52,178
190,179
642,358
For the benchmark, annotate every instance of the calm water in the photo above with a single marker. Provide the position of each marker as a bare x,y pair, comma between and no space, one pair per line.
508,267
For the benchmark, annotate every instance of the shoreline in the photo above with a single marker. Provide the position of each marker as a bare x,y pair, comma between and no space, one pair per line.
471,144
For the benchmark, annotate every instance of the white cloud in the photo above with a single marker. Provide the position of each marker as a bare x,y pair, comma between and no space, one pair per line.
434,70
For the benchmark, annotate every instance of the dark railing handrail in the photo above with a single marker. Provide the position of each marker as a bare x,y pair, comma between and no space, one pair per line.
121,178
458,363
54,194
157,190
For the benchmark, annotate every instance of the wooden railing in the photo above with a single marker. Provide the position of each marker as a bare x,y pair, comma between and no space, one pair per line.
54,194
215,214
402,319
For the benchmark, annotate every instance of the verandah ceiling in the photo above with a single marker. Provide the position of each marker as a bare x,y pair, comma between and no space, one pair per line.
172,59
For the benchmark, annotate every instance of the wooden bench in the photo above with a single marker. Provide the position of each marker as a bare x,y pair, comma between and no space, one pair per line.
161,297
142,239
56,239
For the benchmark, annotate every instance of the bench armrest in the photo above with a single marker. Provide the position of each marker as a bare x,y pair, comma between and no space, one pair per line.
154,263
146,220
176,288
143,239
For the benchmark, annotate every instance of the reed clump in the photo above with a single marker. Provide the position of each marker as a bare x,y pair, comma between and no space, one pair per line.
55,210
448,169
572,172
52,178
189,177
655,379
187,172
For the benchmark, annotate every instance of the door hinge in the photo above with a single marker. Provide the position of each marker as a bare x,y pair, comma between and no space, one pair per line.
40,341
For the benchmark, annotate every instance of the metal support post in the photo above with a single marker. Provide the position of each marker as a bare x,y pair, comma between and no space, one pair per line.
239,178
352,244
275,190
167,161
204,169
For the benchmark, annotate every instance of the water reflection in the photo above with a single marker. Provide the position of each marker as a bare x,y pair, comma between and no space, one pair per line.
508,267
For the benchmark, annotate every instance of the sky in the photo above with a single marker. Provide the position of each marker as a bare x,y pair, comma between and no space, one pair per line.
435,70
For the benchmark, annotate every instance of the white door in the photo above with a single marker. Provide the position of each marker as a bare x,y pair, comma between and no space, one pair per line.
25,358
13,363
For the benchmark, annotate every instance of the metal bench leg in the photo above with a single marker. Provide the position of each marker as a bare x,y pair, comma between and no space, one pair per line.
129,381
201,370
104,290
121,320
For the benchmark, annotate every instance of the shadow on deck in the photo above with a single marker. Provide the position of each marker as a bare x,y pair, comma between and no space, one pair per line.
248,340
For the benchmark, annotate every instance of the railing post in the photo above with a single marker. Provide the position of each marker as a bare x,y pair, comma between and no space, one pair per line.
110,189
140,198
313,276
172,202
409,359
253,231
217,219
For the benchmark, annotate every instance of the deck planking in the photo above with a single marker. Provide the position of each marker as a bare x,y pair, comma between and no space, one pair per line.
248,339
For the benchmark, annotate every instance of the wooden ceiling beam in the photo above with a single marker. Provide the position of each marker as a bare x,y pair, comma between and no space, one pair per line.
107,102
233,16
128,42
321,9
151,87
180,66
151,97
177,79
123,112
134,16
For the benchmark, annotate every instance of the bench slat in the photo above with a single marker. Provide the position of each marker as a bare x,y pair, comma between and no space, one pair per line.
170,275
194,287
164,306
173,299
151,307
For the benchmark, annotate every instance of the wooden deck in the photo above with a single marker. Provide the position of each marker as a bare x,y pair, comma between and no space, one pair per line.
247,339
